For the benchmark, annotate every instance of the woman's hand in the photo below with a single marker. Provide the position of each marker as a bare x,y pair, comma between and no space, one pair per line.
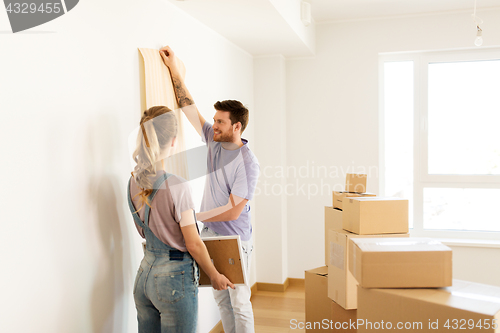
198,250
169,58
220,282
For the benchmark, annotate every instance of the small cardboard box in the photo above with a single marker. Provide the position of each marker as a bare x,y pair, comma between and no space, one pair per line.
318,307
355,182
400,262
375,215
333,221
342,286
466,306
338,197
342,319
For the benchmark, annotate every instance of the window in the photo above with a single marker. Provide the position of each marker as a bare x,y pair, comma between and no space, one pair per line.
463,116
440,128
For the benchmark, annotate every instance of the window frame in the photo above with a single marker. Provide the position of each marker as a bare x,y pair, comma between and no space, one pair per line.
421,178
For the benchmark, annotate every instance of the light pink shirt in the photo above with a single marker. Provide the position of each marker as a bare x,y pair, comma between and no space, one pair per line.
172,199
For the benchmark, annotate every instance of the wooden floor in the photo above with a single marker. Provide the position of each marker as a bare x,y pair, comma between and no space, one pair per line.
274,310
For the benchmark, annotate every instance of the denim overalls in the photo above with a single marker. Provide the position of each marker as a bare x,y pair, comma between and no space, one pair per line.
166,285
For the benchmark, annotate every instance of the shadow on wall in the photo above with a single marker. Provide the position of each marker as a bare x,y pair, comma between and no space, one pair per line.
110,294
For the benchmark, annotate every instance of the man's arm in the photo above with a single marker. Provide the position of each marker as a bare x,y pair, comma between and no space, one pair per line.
184,98
229,212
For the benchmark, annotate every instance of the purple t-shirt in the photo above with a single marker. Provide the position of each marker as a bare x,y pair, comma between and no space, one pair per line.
241,171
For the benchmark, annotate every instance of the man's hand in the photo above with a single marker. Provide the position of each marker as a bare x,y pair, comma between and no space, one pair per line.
184,98
169,59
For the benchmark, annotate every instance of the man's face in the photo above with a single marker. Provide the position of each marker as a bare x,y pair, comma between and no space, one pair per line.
223,130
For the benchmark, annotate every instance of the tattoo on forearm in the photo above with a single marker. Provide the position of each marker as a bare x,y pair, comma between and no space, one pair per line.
181,94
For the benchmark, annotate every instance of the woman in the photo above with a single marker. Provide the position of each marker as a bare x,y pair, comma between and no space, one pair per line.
166,285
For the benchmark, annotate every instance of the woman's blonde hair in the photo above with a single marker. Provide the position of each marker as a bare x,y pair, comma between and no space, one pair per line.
158,129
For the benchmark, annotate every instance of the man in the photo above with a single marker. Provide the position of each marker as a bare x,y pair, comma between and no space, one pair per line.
230,184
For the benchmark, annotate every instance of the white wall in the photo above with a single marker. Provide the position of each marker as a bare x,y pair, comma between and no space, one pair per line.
70,96
271,222
332,116
477,264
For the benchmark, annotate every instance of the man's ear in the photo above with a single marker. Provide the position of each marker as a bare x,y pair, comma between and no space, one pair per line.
174,141
237,127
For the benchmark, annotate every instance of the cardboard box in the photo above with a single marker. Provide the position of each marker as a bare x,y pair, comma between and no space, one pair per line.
400,262
338,197
342,286
355,183
333,221
463,304
342,319
375,215
318,307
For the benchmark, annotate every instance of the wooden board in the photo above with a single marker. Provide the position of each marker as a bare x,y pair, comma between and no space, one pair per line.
227,257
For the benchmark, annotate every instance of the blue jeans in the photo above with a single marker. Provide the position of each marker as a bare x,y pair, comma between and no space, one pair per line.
166,294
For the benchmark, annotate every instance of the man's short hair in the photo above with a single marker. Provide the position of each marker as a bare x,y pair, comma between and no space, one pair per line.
237,112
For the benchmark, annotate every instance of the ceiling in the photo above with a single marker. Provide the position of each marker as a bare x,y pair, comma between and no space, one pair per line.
254,25
337,10
263,27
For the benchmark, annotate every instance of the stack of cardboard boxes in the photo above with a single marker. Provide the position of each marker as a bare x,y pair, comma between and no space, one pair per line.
363,215
349,217
377,275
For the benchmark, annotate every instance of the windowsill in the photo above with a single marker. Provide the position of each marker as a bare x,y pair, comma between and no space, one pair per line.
487,243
